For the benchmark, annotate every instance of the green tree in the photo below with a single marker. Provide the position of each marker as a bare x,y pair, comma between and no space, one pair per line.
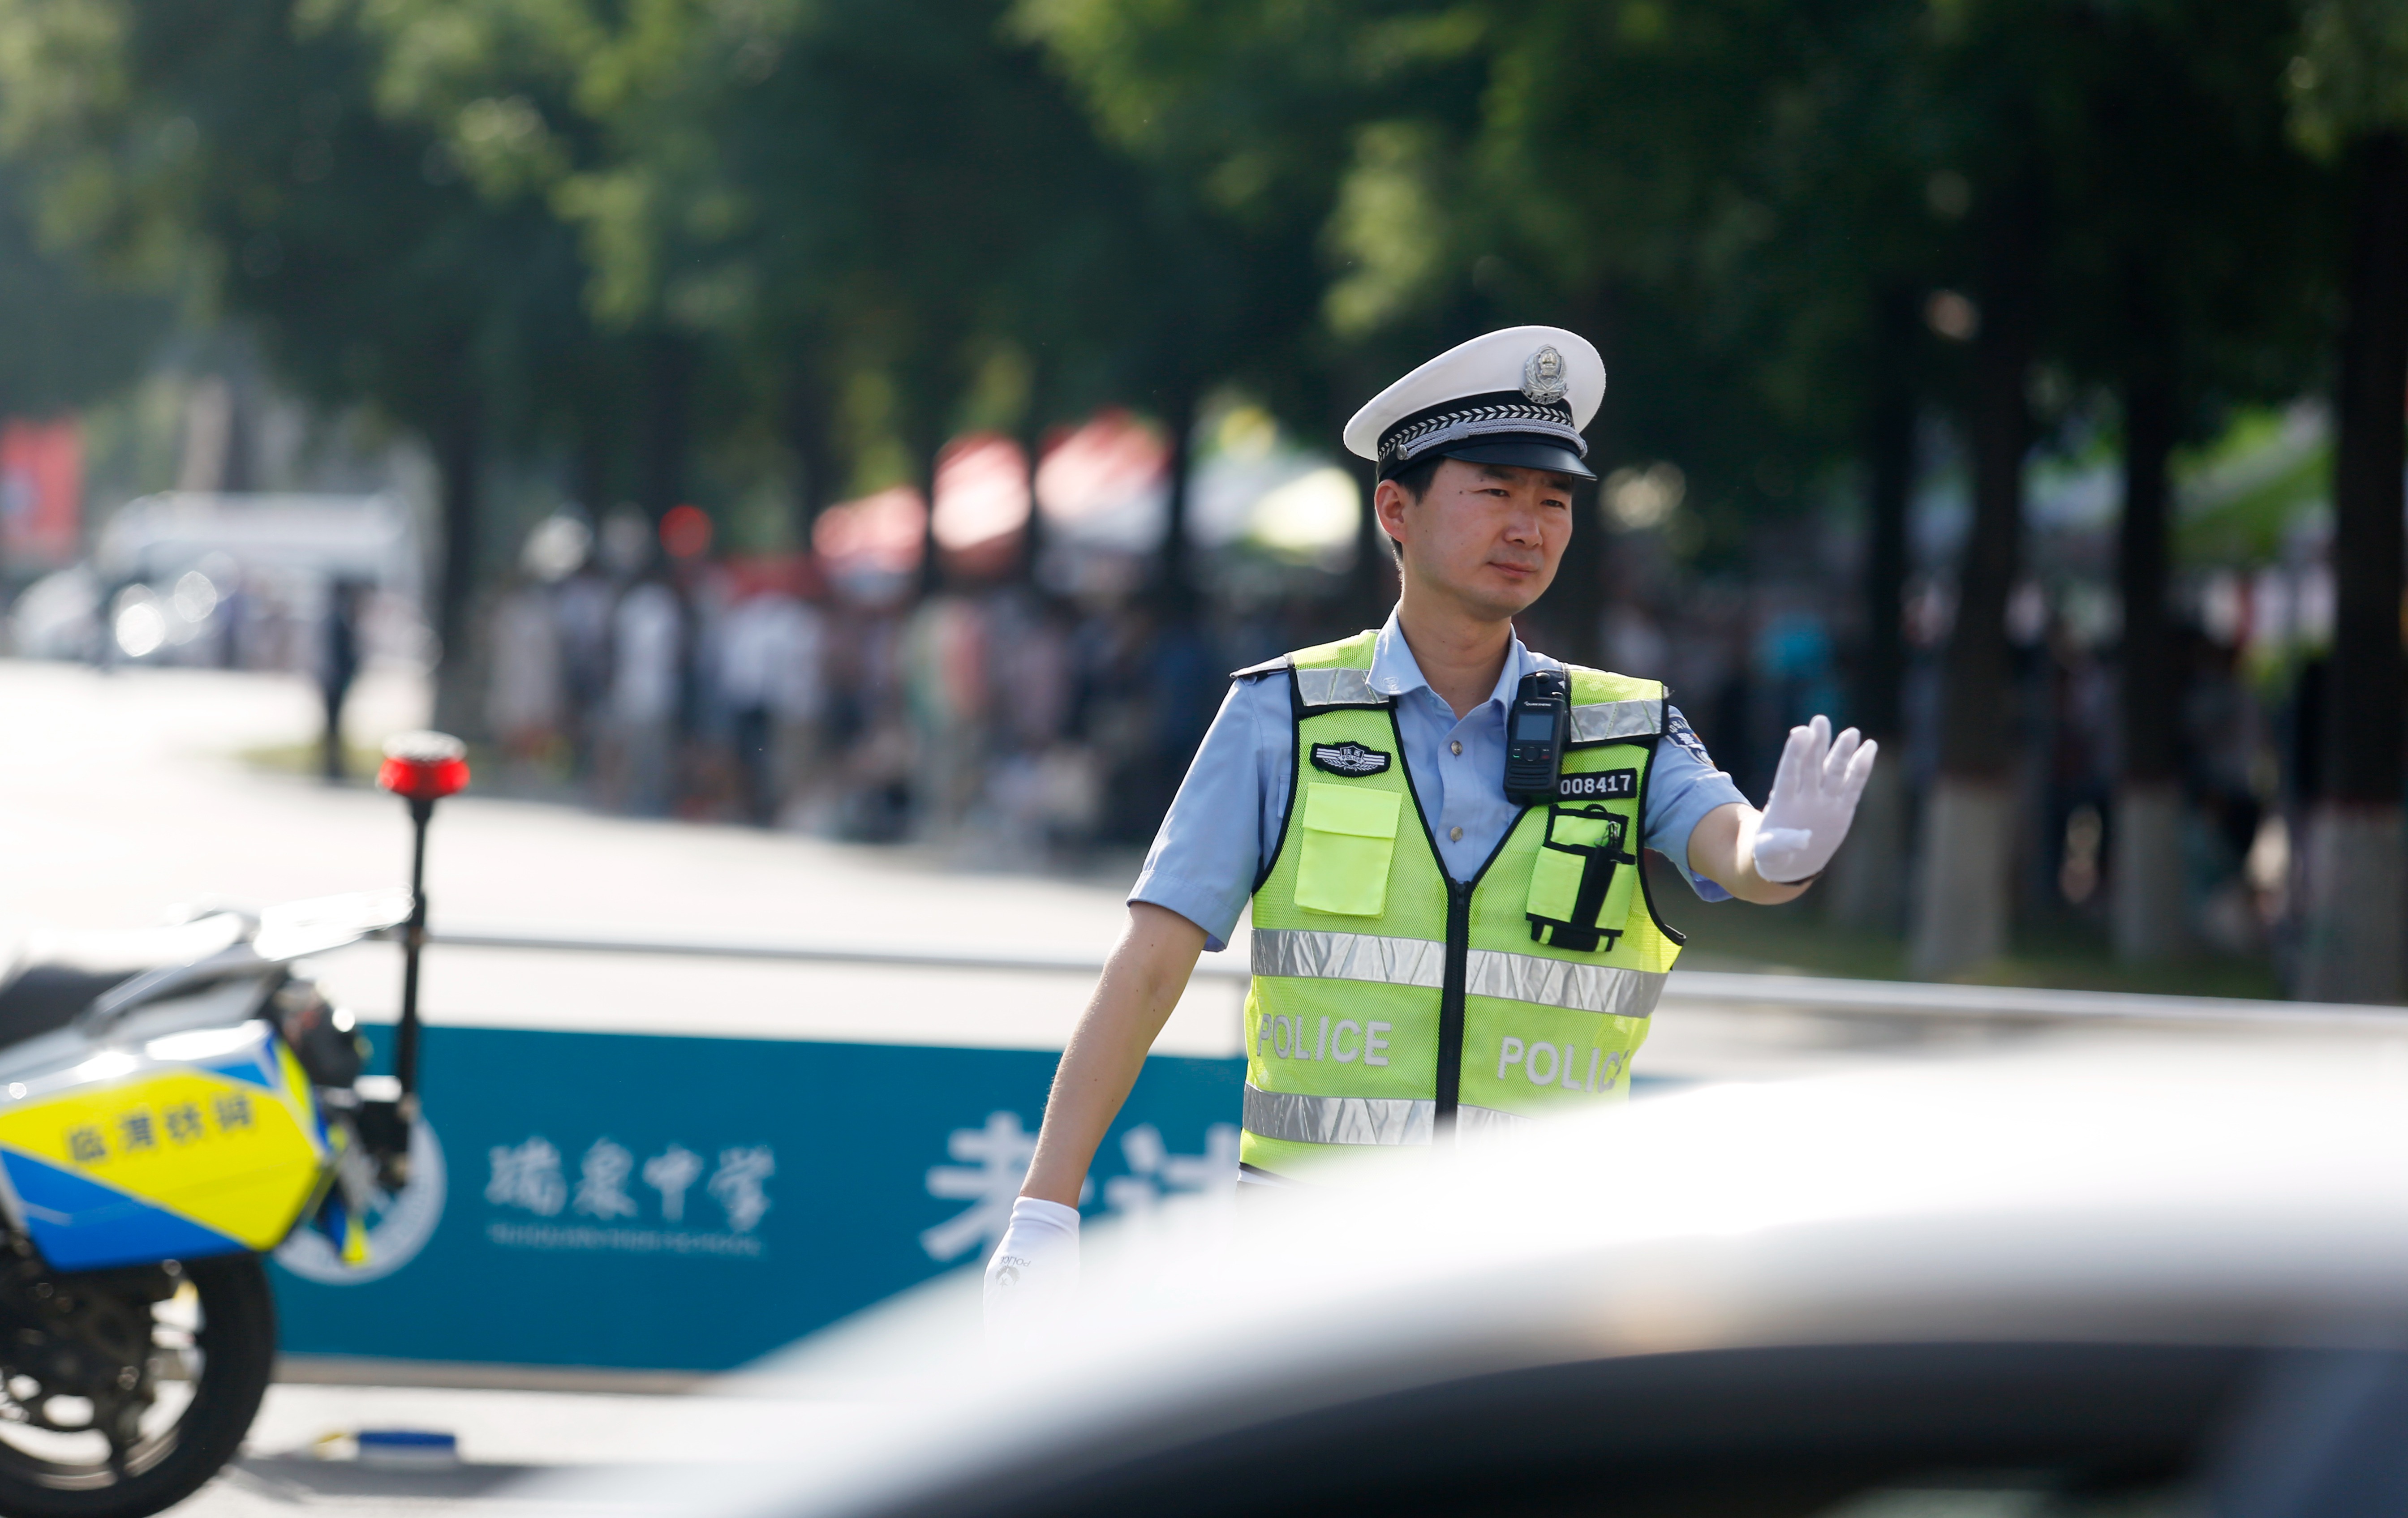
778,200
1862,206
1233,121
2192,270
71,339
2349,88
524,103
244,141
1600,169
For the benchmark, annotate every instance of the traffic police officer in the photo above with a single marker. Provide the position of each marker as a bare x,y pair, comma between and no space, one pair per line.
1451,931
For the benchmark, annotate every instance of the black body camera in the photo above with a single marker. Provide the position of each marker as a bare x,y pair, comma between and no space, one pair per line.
1534,737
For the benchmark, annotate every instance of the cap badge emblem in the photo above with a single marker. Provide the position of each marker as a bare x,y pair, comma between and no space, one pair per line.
1543,376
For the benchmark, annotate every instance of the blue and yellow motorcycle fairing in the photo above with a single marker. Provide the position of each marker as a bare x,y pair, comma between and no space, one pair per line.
191,1144
160,1127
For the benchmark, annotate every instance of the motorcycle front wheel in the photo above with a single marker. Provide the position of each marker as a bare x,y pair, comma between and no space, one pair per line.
144,1387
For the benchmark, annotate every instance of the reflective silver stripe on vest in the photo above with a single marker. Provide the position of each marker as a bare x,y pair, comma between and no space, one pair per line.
1615,719
1349,956
1610,989
1472,1124
1312,955
1370,1119
1337,688
1338,1120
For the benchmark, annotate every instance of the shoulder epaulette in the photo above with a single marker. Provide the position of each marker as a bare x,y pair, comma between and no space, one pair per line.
1269,666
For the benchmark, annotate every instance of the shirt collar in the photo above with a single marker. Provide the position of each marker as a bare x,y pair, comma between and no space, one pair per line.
1396,671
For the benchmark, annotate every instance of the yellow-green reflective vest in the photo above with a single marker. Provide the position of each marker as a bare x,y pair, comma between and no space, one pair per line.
1394,1005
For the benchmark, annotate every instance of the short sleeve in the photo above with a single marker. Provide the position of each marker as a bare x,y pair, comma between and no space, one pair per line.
1683,786
1211,844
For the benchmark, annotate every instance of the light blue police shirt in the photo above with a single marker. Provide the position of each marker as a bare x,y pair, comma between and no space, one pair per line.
1226,818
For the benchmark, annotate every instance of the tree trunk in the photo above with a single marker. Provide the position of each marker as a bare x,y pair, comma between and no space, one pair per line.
1175,578
669,386
590,470
2352,948
2354,875
1869,876
2151,687
240,474
1889,456
1961,908
459,454
1573,608
1573,612
1032,448
1959,911
2365,740
1371,582
1372,586
1978,725
925,434
2149,911
808,411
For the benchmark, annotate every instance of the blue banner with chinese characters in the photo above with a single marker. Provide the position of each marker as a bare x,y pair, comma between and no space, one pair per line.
689,1203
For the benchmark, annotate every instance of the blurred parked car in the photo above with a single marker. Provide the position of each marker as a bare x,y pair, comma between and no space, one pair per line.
2172,1280
239,580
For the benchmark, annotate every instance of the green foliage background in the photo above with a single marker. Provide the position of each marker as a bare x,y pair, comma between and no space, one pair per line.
647,237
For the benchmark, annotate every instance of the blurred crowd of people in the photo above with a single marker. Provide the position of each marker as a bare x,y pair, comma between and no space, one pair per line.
1747,659
1019,726
632,670
2236,751
998,719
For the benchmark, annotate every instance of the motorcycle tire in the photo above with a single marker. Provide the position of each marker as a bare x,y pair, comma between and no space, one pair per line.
236,1345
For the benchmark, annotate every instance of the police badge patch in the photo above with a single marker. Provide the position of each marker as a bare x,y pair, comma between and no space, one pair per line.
1543,378
1348,758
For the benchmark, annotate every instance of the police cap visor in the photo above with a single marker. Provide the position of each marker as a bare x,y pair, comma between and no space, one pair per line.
1529,454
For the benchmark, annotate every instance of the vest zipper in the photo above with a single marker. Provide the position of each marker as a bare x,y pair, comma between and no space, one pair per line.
1450,1004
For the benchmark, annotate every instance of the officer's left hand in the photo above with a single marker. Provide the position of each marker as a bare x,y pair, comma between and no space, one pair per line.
1034,1274
1814,800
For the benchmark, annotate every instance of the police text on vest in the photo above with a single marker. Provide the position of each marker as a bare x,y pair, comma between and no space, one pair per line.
1559,1064
1346,1041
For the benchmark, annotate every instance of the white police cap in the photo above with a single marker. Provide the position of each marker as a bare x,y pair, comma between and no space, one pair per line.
1518,396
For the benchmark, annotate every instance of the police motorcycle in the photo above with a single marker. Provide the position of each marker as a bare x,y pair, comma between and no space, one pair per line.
166,1119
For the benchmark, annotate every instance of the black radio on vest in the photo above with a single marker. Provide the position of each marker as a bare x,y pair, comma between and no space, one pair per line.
1534,737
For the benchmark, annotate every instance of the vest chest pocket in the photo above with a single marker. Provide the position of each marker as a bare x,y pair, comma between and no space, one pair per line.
1349,834
1581,884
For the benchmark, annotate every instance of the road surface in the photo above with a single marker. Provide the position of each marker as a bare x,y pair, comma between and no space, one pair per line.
124,800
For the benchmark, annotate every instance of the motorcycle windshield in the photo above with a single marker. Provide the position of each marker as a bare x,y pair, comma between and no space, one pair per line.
293,929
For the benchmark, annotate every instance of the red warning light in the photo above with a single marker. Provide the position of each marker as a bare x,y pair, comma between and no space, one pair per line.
424,767
685,531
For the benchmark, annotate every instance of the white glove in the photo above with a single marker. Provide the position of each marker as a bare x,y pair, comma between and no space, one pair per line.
1035,1272
1814,800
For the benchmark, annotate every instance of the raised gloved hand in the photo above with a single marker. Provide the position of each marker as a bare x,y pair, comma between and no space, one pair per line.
1035,1271
1814,800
